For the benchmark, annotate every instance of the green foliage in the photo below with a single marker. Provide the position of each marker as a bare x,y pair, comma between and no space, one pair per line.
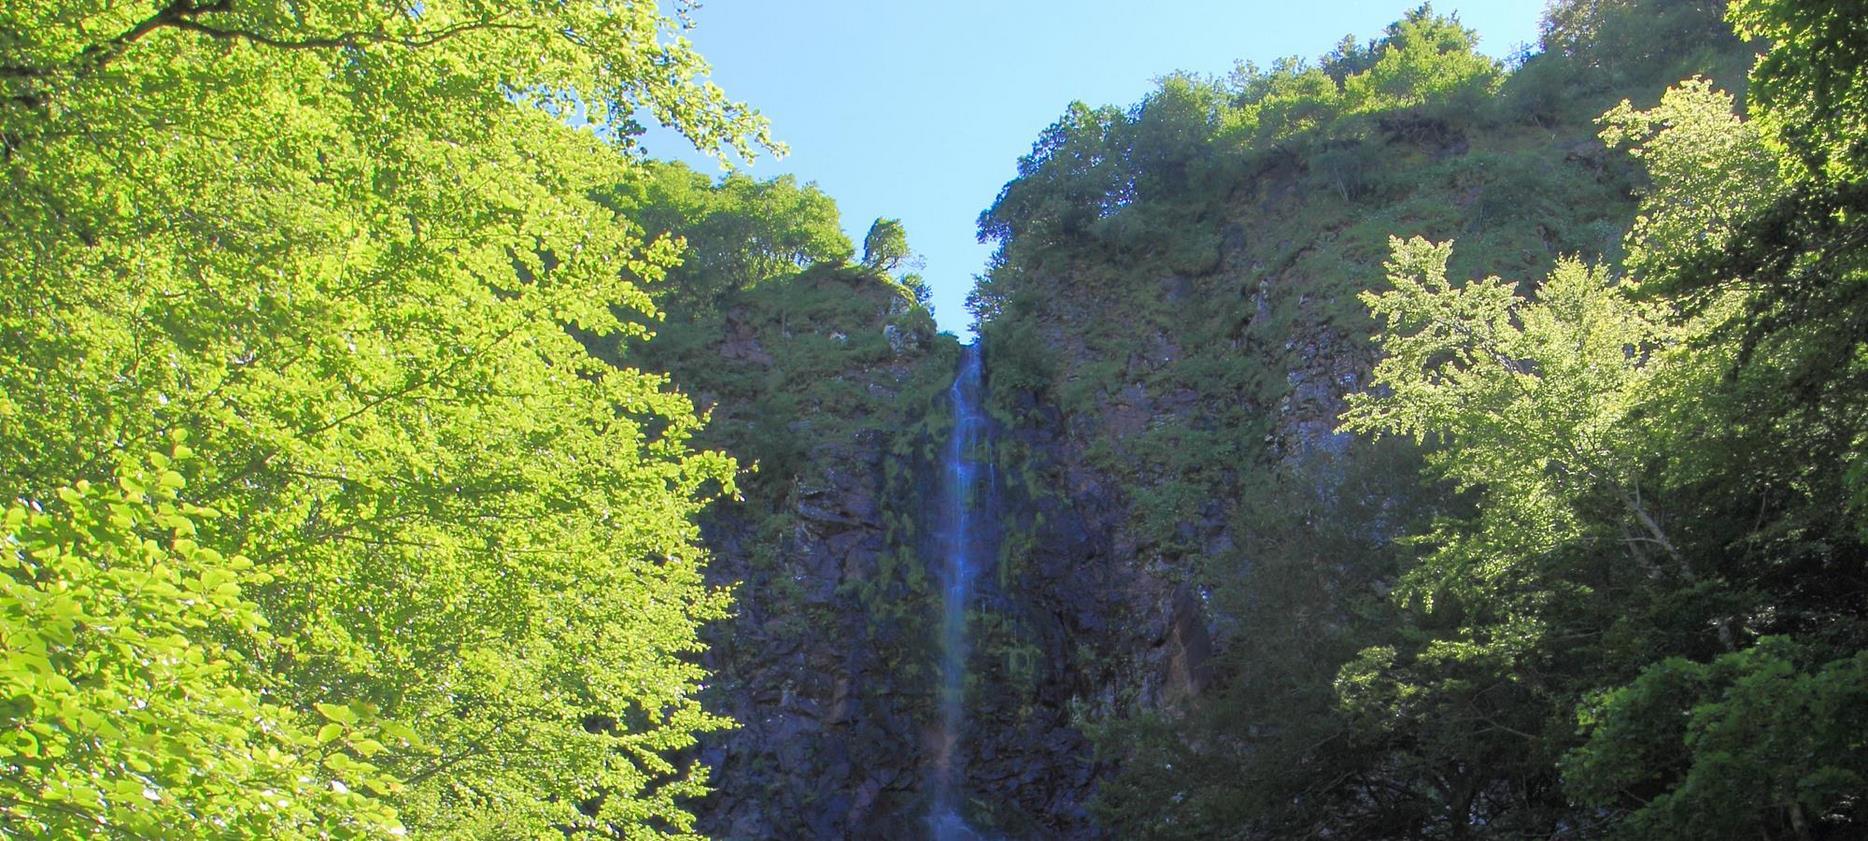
1424,60
1642,508
1534,405
1386,130
775,345
826,381
1795,254
130,709
1709,171
1018,358
1062,185
1592,47
885,247
1811,87
341,246
885,251
1737,215
1532,398
1136,180
1567,414
1256,753
735,233
1770,742
780,363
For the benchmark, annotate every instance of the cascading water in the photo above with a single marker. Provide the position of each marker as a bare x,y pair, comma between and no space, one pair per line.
960,540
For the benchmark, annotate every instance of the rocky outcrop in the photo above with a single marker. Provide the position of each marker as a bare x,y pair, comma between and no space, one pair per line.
1071,629
1150,406
826,745
823,386
1187,649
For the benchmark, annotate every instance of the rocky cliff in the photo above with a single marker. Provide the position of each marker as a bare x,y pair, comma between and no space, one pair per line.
825,385
1172,325
1169,329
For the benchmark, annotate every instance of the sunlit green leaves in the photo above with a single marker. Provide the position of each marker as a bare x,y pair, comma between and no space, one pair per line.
1424,60
1531,397
1709,171
127,708
341,246
1812,86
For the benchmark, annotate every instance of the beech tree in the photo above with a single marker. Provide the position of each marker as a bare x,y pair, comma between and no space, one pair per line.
1530,395
339,246
1702,422
125,716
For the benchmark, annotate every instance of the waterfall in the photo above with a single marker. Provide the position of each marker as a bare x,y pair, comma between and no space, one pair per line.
960,541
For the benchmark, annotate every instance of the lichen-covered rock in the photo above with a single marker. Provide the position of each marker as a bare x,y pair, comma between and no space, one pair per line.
901,342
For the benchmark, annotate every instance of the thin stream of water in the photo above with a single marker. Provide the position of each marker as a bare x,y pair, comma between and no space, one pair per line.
961,561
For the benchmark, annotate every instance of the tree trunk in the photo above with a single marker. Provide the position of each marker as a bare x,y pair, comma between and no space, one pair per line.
1659,537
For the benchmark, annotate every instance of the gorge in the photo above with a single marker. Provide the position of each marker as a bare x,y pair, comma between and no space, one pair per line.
1409,443
1189,556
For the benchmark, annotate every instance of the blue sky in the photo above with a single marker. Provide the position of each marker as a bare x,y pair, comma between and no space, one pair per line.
920,110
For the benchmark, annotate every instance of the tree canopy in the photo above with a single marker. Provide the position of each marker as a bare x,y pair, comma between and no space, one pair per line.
452,581
735,231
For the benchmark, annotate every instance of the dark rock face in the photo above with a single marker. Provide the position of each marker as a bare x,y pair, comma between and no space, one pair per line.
741,344
1325,366
1031,770
828,668
1189,650
822,667
1172,417
1096,611
1075,627
829,665
826,746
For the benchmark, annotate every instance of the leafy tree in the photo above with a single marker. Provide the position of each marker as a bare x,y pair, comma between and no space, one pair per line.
1594,52
340,246
1641,614
1767,483
1425,59
1708,172
917,287
1349,58
1063,184
1533,397
124,715
1532,404
1625,43
1798,259
885,247
1167,140
1811,87
1759,743
1710,438
736,231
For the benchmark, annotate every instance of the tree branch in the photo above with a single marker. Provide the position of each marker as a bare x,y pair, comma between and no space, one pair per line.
347,39
183,15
